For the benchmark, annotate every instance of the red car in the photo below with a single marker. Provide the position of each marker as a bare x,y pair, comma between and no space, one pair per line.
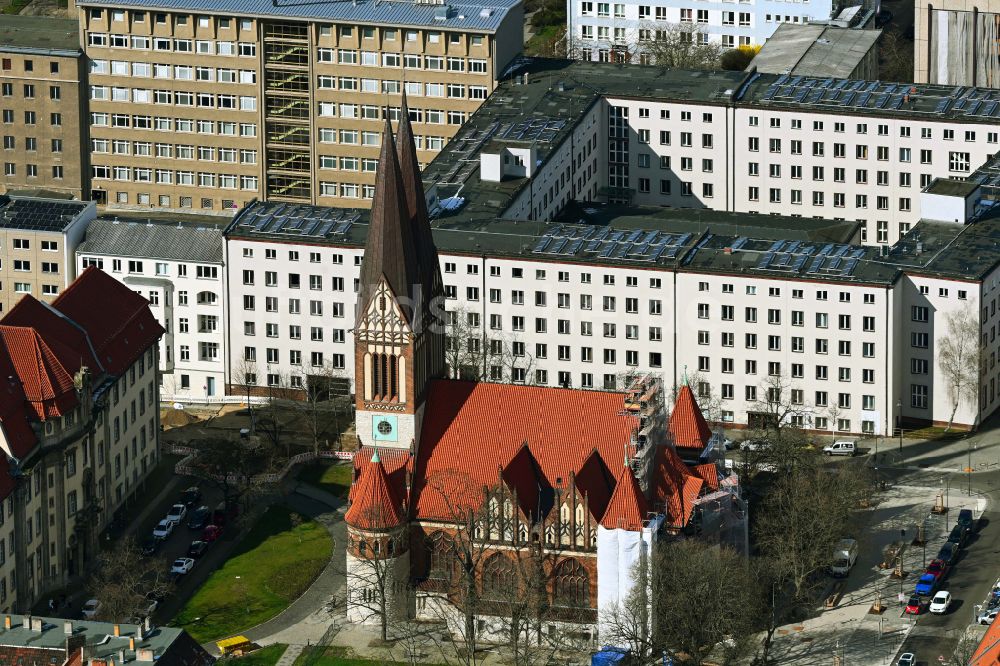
915,606
211,533
937,568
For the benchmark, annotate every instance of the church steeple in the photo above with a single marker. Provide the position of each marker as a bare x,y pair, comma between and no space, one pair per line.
399,345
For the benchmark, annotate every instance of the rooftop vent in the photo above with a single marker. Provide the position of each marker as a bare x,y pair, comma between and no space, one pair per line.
485,12
441,13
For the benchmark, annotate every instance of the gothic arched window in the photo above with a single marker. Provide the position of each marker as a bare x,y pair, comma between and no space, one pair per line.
499,579
440,557
571,585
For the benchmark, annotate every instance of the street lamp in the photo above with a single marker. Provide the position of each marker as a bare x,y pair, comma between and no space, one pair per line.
968,469
899,426
946,482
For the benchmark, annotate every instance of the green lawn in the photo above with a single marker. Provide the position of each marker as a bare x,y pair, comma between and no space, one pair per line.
266,656
269,569
334,478
337,656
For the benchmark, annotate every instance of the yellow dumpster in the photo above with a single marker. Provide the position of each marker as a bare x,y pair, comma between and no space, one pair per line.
234,646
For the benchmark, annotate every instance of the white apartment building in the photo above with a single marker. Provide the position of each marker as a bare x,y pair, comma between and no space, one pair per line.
738,300
177,267
618,31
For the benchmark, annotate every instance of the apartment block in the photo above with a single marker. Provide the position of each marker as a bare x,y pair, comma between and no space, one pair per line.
79,429
42,107
177,267
37,240
624,31
205,108
558,271
955,43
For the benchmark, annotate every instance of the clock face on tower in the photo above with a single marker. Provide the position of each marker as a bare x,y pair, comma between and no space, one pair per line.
384,427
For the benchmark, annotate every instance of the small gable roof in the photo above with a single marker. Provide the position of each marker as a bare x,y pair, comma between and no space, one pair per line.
628,507
687,424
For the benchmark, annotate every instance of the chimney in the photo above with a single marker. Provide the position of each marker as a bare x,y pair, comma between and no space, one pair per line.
140,633
36,624
144,654
68,628
121,656
118,631
6,621
26,622
147,624
131,643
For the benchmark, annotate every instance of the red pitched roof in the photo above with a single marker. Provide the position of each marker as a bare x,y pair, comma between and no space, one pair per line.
628,507
674,487
988,652
522,476
117,320
471,430
47,385
595,483
15,428
374,504
67,340
709,473
687,425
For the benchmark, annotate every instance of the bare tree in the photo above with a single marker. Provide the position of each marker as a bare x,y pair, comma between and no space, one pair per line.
896,56
320,406
960,355
679,46
125,582
228,464
809,508
245,378
472,354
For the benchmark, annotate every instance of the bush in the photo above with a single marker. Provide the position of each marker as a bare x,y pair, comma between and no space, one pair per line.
736,60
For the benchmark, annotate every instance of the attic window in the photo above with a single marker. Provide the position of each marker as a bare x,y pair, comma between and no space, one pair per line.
381,303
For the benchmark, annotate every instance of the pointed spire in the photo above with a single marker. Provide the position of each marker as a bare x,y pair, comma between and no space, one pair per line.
628,507
375,458
373,503
687,424
685,374
390,251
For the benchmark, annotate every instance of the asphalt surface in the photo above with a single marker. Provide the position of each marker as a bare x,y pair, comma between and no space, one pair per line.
934,638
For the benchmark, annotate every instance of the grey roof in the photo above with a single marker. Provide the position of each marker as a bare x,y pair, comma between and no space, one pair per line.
31,214
40,34
154,240
100,638
815,50
465,15
952,188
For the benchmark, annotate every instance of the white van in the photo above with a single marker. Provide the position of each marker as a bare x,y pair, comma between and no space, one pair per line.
845,554
841,448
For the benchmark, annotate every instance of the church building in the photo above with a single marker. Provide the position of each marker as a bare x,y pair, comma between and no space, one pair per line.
477,502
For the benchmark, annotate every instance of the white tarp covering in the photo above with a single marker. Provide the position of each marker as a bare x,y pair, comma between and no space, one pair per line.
618,551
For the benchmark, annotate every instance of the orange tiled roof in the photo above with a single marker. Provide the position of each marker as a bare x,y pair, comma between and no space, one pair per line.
674,487
988,652
472,430
374,504
709,473
47,385
628,507
687,424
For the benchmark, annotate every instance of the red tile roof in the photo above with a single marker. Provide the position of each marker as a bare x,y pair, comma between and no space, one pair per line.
709,473
117,320
374,503
988,652
46,383
68,341
14,410
472,430
674,487
687,425
628,507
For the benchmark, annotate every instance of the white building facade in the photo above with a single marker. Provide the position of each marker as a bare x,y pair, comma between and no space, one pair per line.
180,272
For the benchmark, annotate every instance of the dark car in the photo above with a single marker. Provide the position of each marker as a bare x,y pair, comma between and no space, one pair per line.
197,549
948,553
959,535
199,518
151,545
966,520
191,496
211,533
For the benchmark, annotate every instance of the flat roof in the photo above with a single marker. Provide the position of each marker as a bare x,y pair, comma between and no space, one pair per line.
461,15
815,50
952,188
175,241
101,641
30,214
41,35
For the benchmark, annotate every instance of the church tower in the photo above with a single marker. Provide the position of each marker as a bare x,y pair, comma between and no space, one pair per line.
398,334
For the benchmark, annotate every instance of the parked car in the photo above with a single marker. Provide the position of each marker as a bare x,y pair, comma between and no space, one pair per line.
959,536
90,609
197,549
151,545
926,585
841,448
948,553
753,445
987,615
938,568
199,518
177,513
163,529
940,602
915,606
967,520
191,496
182,565
211,533
907,659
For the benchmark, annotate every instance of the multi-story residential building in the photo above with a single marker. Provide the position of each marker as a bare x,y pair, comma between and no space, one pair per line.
208,106
955,43
626,31
79,428
538,297
177,267
42,102
37,241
